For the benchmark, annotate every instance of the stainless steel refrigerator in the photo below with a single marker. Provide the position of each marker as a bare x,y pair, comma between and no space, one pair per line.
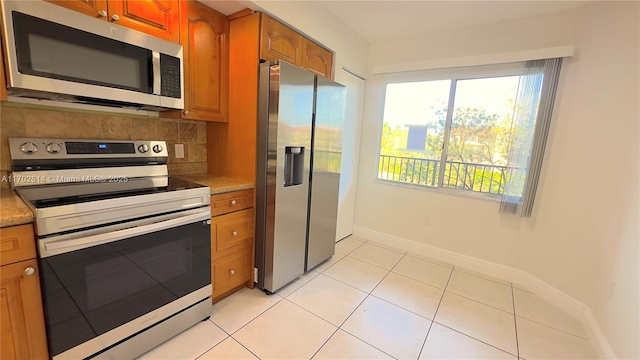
300,129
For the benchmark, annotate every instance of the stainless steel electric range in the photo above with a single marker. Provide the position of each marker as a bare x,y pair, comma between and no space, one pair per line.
124,249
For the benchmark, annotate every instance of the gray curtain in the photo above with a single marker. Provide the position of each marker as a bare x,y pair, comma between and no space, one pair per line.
528,138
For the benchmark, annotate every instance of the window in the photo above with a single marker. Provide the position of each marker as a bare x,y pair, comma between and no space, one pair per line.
476,131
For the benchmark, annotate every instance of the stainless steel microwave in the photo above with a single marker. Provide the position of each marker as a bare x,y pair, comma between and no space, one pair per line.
58,54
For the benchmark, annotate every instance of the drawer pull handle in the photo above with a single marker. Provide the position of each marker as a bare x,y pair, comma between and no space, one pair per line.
29,271
232,272
235,233
233,202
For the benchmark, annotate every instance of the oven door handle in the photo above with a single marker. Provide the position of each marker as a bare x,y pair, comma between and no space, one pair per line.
93,240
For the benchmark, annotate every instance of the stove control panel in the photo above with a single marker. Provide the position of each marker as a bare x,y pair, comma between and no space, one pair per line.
33,148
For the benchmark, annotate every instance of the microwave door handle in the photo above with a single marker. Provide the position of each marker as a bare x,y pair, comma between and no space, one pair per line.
157,76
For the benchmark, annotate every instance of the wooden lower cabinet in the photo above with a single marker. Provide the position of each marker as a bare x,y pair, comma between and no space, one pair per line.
22,329
231,272
232,247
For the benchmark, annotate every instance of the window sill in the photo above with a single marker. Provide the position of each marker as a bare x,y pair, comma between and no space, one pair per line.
455,192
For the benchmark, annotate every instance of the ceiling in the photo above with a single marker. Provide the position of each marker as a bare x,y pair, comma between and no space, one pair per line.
225,7
378,21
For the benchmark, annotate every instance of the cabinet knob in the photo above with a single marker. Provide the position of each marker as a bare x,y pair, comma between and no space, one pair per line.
235,233
29,271
233,202
115,17
102,13
186,112
232,272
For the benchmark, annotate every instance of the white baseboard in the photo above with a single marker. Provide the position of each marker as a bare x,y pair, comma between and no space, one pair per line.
549,293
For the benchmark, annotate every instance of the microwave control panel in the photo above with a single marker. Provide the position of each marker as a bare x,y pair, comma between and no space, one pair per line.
170,76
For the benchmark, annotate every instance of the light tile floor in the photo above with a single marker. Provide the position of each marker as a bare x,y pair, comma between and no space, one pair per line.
374,302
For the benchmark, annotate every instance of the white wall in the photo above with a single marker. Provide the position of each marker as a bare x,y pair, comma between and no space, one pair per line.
584,232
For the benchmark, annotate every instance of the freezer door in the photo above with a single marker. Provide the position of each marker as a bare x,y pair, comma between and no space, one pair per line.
325,175
284,195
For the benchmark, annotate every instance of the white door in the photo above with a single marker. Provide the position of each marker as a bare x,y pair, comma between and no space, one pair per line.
350,152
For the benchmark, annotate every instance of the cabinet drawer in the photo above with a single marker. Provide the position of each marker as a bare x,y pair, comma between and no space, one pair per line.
230,202
17,243
231,230
232,271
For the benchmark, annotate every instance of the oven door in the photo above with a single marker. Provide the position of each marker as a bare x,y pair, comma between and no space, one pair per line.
116,281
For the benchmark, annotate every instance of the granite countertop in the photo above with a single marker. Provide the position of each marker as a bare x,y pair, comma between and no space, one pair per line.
13,211
218,184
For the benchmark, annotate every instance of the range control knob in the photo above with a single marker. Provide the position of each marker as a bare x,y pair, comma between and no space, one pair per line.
54,148
143,148
157,148
28,148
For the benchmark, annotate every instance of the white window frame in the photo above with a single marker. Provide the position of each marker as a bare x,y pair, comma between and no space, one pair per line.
453,74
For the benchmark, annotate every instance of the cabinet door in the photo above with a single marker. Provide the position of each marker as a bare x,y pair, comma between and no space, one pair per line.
94,8
22,326
231,272
160,18
279,42
230,232
317,59
17,243
204,36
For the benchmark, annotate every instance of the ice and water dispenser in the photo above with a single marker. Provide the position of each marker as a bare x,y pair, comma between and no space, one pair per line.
293,165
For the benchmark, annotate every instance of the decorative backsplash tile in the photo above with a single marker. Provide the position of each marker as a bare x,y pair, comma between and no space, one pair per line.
18,121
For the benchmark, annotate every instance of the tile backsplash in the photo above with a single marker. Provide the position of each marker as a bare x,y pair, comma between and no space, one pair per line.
19,121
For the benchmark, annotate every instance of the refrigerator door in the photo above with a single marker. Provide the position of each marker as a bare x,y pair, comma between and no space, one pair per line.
325,175
282,184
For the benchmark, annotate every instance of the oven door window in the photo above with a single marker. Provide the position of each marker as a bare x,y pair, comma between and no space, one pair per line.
50,50
91,291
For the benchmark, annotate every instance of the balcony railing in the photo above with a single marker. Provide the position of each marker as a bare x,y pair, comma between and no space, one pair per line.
483,178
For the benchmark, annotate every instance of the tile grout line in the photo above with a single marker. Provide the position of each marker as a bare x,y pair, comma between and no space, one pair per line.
356,308
380,246
484,278
552,327
420,257
436,313
246,348
257,316
352,312
343,255
218,343
361,302
362,261
515,321
420,281
301,286
476,339
480,302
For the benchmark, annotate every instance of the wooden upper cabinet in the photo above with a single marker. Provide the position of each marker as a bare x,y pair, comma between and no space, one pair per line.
159,18
280,42
88,7
205,39
317,59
